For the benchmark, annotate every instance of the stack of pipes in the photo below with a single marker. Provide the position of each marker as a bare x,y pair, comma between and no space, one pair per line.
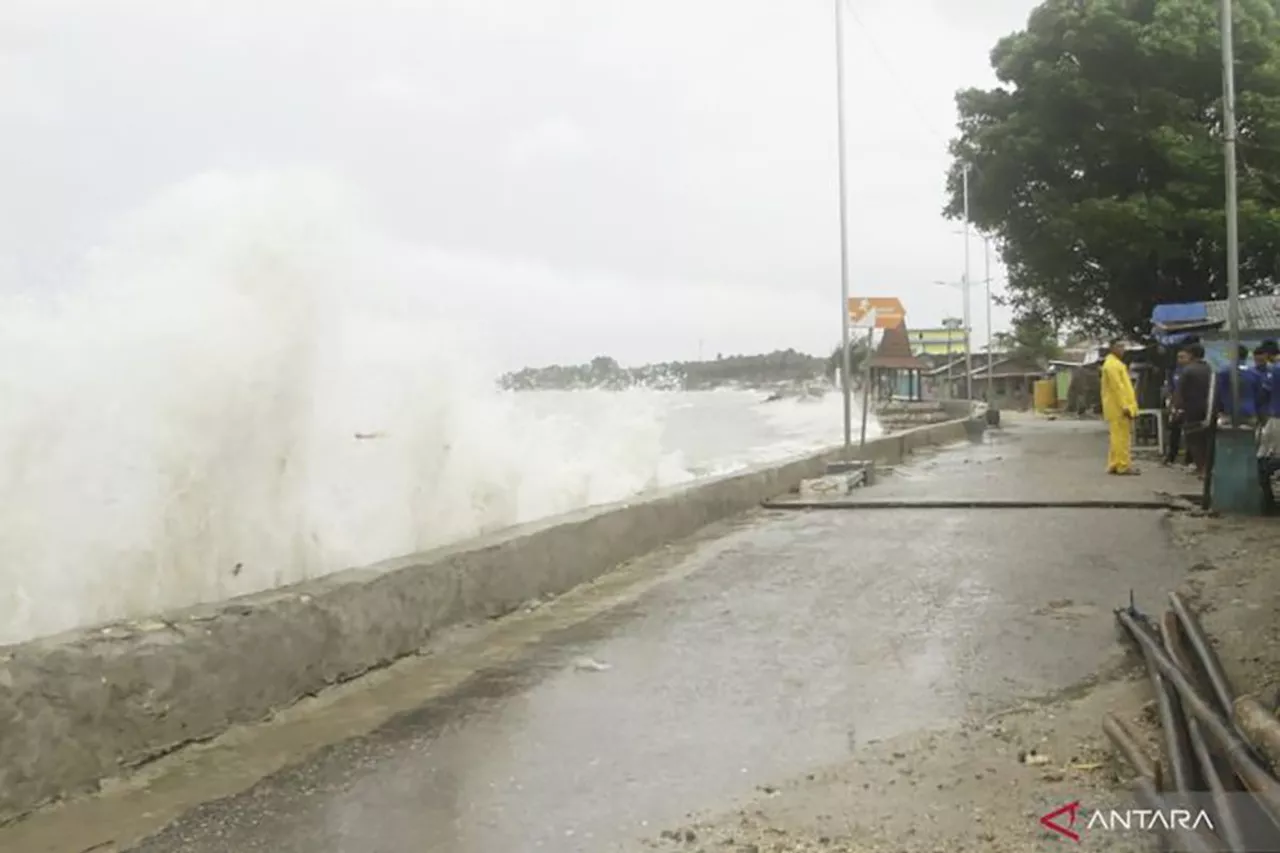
1221,751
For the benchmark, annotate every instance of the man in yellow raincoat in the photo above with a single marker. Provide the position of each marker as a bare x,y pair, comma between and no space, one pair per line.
1119,408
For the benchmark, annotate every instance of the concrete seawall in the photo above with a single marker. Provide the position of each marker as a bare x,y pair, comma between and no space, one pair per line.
82,707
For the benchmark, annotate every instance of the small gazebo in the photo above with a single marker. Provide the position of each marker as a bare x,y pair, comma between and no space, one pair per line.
895,371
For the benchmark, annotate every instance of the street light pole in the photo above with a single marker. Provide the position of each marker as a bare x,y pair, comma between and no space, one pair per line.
845,378
968,349
986,242
1233,224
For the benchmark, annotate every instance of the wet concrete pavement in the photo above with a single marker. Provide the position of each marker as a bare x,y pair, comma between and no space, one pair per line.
778,645
1031,460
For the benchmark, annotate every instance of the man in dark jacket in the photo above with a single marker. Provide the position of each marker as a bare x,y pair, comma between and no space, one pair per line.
1191,401
1174,415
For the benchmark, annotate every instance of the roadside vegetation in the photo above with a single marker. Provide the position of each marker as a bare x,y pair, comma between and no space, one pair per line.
1096,163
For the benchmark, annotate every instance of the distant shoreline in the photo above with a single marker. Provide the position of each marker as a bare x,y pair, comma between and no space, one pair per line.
749,372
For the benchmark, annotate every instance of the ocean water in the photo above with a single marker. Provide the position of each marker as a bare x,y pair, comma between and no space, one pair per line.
245,388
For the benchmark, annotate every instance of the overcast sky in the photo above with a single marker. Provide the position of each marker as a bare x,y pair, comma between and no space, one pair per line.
644,178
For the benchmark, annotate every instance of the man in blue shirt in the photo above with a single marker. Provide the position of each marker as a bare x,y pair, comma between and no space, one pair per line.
1262,378
1250,387
1264,358
1269,431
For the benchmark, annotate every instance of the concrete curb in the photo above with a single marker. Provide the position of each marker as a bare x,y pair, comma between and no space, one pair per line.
82,707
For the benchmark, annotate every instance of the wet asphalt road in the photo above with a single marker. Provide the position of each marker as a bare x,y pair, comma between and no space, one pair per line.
776,648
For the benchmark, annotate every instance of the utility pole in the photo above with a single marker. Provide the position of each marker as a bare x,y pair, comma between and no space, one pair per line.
968,349
951,324
1233,223
991,365
845,378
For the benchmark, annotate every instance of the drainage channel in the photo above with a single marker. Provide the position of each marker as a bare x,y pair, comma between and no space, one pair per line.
1151,504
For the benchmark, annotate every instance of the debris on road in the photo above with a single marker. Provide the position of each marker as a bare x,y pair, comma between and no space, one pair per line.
1032,758
591,665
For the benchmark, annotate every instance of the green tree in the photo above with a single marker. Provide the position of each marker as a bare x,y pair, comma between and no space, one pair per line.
857,358
1033,338
1097,161
603,365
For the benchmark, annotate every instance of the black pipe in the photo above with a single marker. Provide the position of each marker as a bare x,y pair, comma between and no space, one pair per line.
1128,746
1231,831
1182,766
1176,744
1230,822
1188,840
1174,721
1205,654
1263,785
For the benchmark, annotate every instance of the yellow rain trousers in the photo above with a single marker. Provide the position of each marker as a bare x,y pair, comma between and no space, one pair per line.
1119,408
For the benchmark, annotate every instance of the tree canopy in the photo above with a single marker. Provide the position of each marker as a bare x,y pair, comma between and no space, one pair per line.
858,352
1033,338
1097,162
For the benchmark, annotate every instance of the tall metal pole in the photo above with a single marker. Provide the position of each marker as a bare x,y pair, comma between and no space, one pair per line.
991,368
950,381
845,378
968,348
866,395
1233,224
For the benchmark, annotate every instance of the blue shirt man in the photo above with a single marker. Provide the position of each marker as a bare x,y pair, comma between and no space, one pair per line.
1251,386
1272,408
1265,359
1262,369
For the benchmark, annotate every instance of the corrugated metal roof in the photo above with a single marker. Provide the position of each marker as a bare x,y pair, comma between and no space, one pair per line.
1007,367
956,365
1257,313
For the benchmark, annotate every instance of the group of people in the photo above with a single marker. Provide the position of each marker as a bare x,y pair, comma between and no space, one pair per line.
1197,397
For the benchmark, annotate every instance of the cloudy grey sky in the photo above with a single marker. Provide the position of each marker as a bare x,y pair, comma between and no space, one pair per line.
637,177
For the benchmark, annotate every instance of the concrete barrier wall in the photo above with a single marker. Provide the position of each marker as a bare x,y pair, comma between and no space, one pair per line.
957,408
78,708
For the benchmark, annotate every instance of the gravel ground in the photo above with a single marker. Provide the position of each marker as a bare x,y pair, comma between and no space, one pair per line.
973,787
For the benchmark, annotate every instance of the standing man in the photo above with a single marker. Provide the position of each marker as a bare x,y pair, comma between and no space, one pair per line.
1192,399
1250,388
1119,408
1174,409
1261,371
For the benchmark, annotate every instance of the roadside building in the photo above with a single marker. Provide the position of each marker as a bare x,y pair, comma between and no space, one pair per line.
895,371
1079,384
1173,324
1008,382
937,343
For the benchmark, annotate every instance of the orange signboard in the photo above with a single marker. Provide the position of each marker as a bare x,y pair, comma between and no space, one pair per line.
886,311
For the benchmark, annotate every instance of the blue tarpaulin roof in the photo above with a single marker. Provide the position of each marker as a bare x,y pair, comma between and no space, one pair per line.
1183,312
1173,324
